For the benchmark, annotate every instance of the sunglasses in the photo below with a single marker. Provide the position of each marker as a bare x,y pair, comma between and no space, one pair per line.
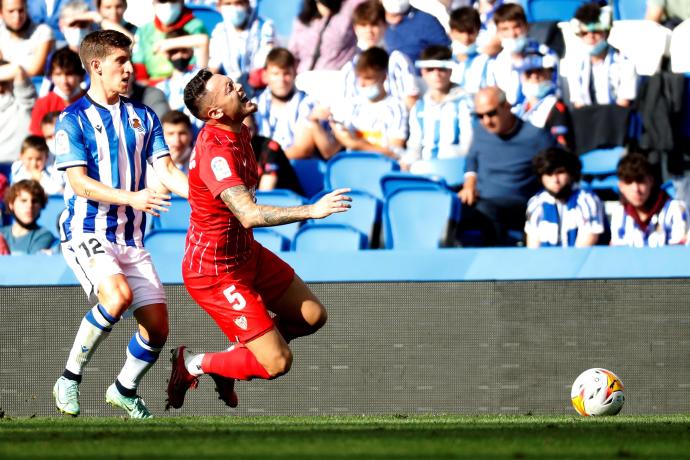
490,114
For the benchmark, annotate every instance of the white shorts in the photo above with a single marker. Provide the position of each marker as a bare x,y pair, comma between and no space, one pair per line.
93,258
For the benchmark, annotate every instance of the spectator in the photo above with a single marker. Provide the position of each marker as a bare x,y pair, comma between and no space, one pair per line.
471,68
322,36
668,12
148,95
48,12
48,132
562,214
33,164
646,215
511,28
240,43
410,30
275,170
25,200
498,174
178,134
67,74
601,74
76,22
541,105
440,122
149,63
369,24
17,97
23,42
112,17
374,121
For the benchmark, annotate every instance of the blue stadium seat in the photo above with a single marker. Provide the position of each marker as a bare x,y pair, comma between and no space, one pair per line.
177,217
209,16
451,170
365,216
551,10
283,198
161,243
394,181
49,216
601,162
310,172
358,171
271,240
629,9
283,14
420,218
328,238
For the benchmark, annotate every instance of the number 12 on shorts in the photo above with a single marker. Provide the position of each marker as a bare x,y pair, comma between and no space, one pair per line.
236,300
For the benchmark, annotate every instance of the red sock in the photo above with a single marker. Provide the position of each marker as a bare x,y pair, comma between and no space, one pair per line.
238,363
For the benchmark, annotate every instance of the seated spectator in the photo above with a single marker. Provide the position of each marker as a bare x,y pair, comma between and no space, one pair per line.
471,67
111,16
275,170
601,74
369,24
149,64
178,134
441,122
24,201
22,41
48,132
646,215
541,106
240,43
17,98
76,22
562,214
498,173
148,95
410,31
33,164
322,36
670,13
48,12
511,29
373,121
67,74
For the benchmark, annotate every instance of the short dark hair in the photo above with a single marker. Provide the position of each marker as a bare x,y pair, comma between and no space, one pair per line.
369,12
465,19
281,58
588,13
634,167
50,117
27,185
98,44
510,12
374,58
66,60
550,160
195,92
98,3
175,117
436,52
36,143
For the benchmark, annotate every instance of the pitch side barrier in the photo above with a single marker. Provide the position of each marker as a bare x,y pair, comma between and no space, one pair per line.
397,341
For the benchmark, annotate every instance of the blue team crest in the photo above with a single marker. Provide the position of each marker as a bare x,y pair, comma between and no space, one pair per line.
135,123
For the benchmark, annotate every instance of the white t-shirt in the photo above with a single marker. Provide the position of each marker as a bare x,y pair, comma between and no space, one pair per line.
21,51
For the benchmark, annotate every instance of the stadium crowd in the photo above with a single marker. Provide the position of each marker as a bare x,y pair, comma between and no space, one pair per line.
524,103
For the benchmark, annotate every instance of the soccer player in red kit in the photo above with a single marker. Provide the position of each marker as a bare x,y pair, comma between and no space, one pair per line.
231,276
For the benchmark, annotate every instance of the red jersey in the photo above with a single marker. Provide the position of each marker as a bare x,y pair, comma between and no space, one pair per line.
216,241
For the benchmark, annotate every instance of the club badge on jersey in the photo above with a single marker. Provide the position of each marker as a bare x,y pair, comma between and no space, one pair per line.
135,123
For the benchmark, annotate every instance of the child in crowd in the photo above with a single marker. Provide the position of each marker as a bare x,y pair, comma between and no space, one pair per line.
178,134
470,71
440,122
562,214
48,132
32,164
646,215
25,200
373,121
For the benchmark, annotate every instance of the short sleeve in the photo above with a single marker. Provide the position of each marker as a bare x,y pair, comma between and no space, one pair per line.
70,148
156,148
218,170
43,33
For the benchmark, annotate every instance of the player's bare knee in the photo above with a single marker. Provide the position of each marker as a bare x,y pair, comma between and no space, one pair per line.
316,316
118,301
279,364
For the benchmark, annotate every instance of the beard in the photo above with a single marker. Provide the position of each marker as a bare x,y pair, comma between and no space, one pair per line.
23,28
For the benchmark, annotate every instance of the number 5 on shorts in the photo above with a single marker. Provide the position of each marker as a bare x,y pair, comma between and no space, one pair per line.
236,300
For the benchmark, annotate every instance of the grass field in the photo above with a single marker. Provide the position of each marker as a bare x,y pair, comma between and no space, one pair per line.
394,437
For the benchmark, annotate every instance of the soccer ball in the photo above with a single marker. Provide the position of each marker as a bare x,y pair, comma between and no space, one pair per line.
597,392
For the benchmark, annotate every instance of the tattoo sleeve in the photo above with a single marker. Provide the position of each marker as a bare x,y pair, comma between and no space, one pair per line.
241,202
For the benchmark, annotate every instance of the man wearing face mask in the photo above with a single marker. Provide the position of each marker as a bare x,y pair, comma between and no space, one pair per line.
48,12
601,74
240,43
542,107
17,97
471,69
75,23
150,65
411,30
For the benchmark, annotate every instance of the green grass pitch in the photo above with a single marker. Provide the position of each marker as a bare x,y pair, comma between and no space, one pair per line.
366,437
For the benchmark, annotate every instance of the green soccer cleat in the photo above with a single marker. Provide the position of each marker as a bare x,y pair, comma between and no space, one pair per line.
66,394
134,406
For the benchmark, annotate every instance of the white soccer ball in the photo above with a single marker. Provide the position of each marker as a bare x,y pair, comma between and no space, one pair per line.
597,392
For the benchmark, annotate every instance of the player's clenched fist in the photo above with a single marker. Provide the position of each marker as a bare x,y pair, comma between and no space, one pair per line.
330,203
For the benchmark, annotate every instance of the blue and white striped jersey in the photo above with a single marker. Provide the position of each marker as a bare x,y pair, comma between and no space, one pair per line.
114,143
281,125
669,226
471,74
239,52
556,223
401,81
614,78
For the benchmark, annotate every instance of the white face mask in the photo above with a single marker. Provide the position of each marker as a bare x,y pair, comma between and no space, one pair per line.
67,97
396,6
365,45
514,45
460,49
235,15
74,35
167,13
597,48
537,90
370,92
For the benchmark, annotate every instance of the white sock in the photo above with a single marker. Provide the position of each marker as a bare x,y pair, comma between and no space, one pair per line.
94,328
141,355
193,361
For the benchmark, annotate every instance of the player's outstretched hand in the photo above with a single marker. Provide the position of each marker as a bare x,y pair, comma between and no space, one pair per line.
330,203
150,201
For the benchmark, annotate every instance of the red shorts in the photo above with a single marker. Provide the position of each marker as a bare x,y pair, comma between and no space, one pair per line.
237,300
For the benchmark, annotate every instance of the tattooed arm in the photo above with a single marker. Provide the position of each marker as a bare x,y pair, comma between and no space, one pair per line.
240,201
145,200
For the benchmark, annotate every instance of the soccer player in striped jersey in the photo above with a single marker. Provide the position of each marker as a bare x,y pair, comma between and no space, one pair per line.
562,214
231,276
105,142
